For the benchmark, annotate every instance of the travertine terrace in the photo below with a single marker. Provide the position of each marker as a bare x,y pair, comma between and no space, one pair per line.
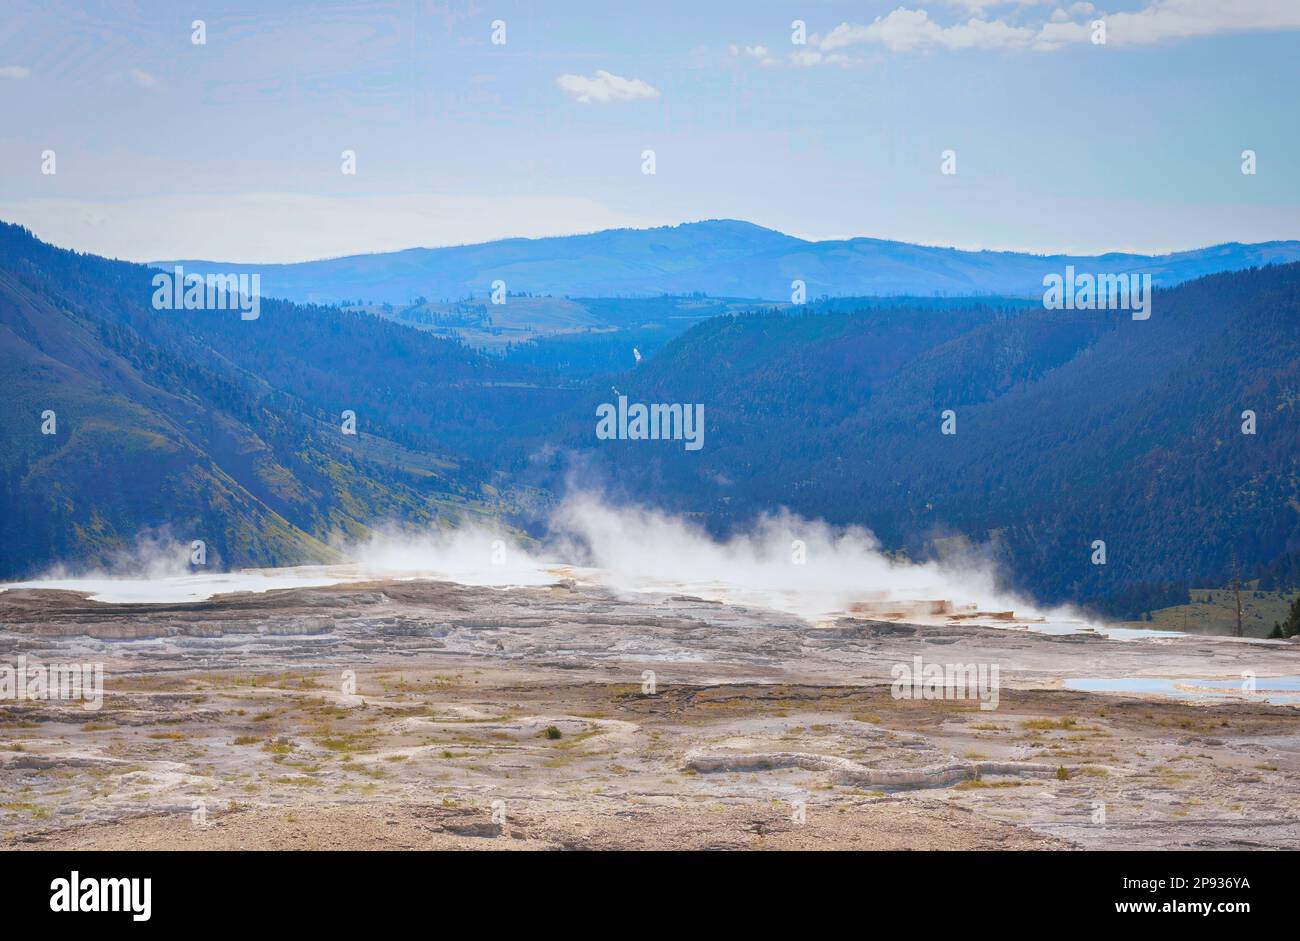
426,714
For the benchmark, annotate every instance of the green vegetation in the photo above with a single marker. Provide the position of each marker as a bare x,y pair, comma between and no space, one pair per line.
1069,427
232,426
1214,611
1291,626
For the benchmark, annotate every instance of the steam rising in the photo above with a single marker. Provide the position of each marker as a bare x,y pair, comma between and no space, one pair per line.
156,554
477,554
156,569
785,563
805,568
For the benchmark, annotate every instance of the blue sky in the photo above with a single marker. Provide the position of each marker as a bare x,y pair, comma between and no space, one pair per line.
231,149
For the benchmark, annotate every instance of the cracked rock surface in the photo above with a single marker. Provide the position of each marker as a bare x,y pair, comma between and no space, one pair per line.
423,714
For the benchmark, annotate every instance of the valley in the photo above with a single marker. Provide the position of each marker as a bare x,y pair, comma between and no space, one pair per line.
1071,426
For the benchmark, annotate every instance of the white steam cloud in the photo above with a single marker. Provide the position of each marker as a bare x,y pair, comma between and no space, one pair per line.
474,554
156,554
783,563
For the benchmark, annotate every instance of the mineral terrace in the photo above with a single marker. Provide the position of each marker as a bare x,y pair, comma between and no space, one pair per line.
429,715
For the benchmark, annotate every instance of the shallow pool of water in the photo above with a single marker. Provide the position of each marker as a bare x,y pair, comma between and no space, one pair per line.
1278,690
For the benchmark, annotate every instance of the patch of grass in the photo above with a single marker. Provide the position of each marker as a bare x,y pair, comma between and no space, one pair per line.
1045,725
342,743
552,732
297,782
977,784
34,810
1170,776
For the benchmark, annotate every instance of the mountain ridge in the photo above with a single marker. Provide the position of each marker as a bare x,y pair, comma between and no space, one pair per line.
718,257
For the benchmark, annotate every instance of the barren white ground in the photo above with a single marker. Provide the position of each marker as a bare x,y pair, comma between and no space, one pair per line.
525,718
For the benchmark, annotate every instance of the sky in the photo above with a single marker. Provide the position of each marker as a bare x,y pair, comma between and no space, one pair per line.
232,149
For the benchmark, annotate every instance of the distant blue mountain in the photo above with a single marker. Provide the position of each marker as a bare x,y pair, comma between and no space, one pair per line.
717,257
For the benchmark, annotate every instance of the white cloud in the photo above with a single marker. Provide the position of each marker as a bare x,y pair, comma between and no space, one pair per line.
605,87
142,78
905,30
760,53
1063,15
803,57
979,6
287,227
811,57
1186,19
14,71
1054,35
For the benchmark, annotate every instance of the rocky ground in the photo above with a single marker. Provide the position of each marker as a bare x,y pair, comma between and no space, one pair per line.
417,714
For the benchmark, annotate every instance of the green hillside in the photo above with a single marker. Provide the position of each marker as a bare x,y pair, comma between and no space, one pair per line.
164,427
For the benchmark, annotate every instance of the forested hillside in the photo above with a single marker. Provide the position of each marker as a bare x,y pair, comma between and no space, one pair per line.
200,425
1071,427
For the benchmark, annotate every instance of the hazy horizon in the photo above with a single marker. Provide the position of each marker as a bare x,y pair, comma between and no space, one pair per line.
235,147
647,228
